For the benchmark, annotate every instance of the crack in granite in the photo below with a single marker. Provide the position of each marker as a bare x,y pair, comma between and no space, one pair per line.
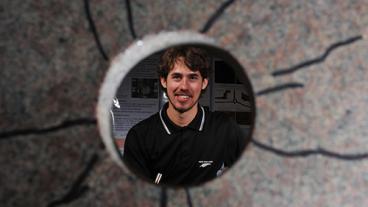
94,30
77,189
308,152
279,88
189,198
130,19
39,131
163,197
317,60
216,15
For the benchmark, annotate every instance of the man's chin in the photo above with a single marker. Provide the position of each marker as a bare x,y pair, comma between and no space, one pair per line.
182,109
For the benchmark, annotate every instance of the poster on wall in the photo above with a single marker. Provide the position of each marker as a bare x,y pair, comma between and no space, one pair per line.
138,98
230,96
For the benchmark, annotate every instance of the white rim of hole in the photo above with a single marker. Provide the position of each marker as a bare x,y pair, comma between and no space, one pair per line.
124,62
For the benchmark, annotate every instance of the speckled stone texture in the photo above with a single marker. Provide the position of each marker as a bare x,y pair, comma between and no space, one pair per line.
51,71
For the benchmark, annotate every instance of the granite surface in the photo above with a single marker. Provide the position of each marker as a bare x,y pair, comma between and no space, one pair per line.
310,144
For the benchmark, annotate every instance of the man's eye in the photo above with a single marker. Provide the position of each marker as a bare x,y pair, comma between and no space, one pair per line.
194,77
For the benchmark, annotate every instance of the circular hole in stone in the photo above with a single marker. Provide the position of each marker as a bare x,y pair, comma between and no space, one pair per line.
181,128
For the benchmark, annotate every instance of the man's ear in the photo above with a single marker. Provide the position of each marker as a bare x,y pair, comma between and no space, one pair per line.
163,82
205,83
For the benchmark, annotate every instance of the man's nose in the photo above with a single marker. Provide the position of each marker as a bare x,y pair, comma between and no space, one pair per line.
184,84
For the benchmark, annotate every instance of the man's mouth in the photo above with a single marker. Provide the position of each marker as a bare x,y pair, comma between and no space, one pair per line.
182,97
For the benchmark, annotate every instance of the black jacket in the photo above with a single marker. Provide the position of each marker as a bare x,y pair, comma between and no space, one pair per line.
162,152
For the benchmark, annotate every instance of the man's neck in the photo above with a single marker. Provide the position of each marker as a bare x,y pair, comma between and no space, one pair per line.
182,118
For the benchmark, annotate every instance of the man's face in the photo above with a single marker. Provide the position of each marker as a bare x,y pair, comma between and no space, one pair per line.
183,87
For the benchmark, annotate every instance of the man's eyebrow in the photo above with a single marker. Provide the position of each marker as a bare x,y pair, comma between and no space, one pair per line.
176,74
192,74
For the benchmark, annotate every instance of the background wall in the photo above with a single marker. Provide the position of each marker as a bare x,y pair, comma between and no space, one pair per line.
307,61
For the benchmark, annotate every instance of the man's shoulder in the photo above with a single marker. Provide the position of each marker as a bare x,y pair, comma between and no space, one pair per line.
220,120
216,115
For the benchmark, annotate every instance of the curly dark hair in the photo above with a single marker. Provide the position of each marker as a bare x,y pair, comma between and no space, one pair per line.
195,58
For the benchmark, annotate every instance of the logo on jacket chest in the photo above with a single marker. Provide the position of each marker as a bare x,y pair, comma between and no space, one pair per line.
205,163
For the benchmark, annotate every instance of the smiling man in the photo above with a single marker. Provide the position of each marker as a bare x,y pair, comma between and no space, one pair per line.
184,143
